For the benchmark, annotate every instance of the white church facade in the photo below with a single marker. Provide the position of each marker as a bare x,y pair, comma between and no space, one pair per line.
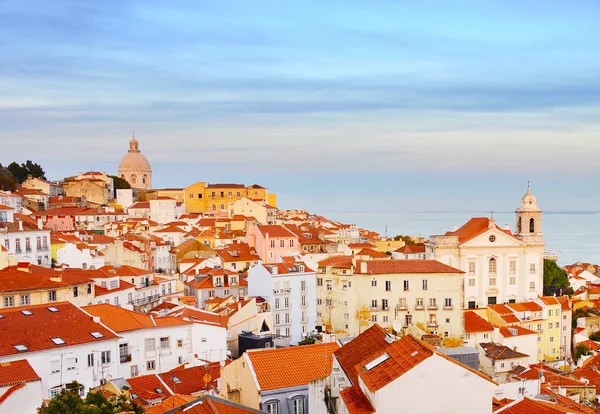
499,266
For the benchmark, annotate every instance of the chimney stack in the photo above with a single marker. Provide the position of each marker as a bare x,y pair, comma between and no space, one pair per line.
492,223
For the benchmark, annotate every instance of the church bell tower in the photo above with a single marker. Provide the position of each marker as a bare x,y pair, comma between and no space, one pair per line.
529,220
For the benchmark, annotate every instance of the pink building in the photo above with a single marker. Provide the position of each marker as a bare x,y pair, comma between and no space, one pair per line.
271,242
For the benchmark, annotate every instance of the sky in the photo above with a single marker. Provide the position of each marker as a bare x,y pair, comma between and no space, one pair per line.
335,106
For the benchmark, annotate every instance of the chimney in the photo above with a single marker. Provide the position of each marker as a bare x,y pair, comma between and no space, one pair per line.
20,224
491,223
239,305
40,224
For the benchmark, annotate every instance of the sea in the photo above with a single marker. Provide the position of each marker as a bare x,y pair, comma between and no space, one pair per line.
575,236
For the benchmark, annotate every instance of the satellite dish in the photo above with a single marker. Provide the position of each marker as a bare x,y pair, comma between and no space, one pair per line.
396,325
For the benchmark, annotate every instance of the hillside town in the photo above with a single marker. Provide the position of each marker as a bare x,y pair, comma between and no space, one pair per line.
211,299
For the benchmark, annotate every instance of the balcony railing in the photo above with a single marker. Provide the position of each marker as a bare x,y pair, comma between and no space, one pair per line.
402,307
432,324
419,307
125,358
147,299
448,307
432,307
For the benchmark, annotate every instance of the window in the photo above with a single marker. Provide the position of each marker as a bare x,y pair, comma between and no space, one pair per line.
38,242
319,301
89,288
180,343
18,245
211,294
344,285
298,406
384,304
105,357
303,301
286,302
24,300
425,284
303,285
373,318
388,285
149,344
165,343
328,284
513,267
27,244
485,336
492,267
408,320
9,301
550,314
281,243
448,303
512,280
75,291
277,319
346,316
291,243
447,320
123,352
471,282
374,283
531,225
551,339
471,268
53,392
90,360
276,303
532,286
402,303
374,304
272,407
419,304
319,281
532,268
406,285
385,318
432,303
556,325
272,244
150,365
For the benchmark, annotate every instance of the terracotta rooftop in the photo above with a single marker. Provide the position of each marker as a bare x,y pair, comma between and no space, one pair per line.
191,380
411,249
33,328
275,231
123,320
291,367
337,262
373,253
356,401
498,352
382,267
475,323
525,307
511,331
16,372
212,405
472,229
530,406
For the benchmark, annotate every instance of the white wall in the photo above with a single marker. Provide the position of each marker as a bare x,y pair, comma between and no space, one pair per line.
24,400
71,256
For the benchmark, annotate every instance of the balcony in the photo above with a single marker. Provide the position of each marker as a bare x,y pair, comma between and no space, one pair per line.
402,307
432,307
448,307
143,301
125,358
419,307
431,324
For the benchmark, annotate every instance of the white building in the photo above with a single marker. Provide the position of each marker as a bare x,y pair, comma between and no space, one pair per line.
499,267
146,294
477,329
20,387
10,200
81,256
163,209
28,243
291,289
62,343
381,375
498,361
141,209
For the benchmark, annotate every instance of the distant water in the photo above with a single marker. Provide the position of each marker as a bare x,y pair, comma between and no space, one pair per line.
576,235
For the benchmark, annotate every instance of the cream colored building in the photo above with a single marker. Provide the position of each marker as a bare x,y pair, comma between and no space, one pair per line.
135,168
259,209
353,296
499,266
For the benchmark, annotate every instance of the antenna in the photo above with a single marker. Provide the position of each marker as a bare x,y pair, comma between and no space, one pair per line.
492,212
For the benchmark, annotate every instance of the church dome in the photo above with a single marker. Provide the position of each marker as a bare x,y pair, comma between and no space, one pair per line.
528,201
134,160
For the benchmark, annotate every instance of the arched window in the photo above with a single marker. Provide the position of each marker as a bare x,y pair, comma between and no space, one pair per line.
214,207
492,266
519,225
133,179
531,225
144,179
222,207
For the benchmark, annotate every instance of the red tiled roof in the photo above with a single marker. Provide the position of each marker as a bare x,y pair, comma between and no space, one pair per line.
124,271
122,286
17,372
171,229
381,267
213,405
530,406
291,367
123,320
35,331
337,262
498,352
473,228
276,231
144,387
411,249
475,323
169,403
370,341
525,307
355,401
192,379
511,331
373,253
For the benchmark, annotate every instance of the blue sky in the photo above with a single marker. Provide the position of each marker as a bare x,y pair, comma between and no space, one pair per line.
336,106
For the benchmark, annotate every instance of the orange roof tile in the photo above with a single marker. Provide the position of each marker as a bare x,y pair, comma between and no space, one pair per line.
475,323
529,406
213,405
355,401
17,372
169,403
36,330
337,262
411,249
373,253
291,367
276,231
379,267
472,229
525,307
144,388
511,331
123,320
191,380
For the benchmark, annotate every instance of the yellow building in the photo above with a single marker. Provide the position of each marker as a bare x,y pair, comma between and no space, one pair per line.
201,197
5,259
174,193
94,190
36,285
388,245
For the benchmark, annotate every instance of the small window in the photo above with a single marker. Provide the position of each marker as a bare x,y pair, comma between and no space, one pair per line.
57,341
26,313
492,238
52,309
97,335
21,348
150,365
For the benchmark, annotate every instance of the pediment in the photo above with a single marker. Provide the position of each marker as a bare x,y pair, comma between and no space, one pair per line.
500,238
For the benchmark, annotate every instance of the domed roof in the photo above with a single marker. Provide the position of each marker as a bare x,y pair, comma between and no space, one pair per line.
528,201
134,160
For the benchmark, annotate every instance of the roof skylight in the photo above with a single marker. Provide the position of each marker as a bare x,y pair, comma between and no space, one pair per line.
158,390
21,348
134,396
379,360
97,335
58,341
176,380
26,313
52,309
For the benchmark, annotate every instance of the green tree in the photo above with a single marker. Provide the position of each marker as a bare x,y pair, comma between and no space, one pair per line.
68,401
309,340
19,172
7,181
120,183
556,280
34,169
581,350
407,240
595,336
